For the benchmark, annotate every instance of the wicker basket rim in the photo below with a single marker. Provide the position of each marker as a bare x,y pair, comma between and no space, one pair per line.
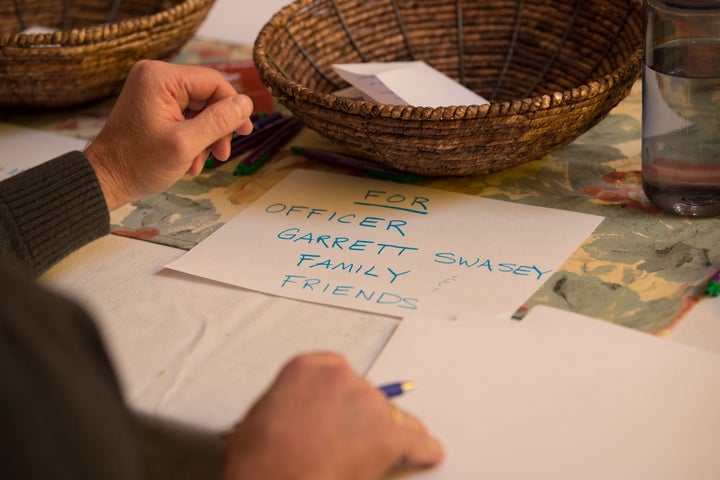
586,91
102,32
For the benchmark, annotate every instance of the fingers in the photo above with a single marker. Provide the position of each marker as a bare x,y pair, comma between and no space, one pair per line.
214,125
174,114
192,86
407,436
420,450
325,421
207,107
197,165
396,414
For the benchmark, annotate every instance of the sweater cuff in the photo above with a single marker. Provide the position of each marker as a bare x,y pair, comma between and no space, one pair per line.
57,207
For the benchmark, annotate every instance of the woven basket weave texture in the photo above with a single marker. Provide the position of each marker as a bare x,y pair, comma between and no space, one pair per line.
91,48
551,70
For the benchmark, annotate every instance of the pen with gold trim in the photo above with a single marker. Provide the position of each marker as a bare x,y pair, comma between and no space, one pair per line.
395,389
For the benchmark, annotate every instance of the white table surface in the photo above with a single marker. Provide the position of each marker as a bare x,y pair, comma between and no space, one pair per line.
200,352
195,351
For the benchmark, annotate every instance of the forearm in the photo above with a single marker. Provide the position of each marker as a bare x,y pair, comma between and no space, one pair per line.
61,407
49,211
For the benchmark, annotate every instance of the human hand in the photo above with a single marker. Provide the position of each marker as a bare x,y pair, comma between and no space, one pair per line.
320,421
166,121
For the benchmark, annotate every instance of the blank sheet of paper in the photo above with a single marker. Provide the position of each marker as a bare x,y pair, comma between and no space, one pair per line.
24,148
557,396
388,248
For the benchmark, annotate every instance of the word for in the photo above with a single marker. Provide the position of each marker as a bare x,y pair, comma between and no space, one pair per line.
396,201
311,260
295,235
302,211
449,258
319,286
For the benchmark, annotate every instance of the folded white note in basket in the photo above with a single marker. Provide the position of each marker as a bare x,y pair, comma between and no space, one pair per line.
407,83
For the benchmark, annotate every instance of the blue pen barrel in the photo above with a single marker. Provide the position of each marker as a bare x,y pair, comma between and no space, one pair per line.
395,389
392,390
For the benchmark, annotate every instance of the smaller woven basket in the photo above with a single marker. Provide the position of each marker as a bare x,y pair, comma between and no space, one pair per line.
551,70
89,49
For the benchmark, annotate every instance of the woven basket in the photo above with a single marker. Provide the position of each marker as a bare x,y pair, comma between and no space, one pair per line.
92,46
551,70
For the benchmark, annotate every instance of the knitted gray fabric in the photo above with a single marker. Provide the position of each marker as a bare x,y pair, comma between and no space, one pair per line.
60,404
50,210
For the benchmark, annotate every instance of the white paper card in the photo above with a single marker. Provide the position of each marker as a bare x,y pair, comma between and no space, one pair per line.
407,83
23,148
387,247
557,396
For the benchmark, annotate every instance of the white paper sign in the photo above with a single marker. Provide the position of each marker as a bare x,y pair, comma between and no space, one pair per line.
407,83
387,247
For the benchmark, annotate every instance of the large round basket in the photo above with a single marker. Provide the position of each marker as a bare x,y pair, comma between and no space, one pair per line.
88,46
551,70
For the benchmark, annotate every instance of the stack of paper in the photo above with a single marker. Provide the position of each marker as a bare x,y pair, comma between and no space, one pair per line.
558,396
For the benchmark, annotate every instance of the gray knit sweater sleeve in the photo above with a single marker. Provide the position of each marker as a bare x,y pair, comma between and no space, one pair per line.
50,210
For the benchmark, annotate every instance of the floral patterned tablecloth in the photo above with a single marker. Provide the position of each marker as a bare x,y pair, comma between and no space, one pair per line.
640,268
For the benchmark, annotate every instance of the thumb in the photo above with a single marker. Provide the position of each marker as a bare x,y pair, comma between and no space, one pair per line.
218,120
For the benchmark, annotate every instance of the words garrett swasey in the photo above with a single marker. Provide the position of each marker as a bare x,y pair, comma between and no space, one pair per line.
389,248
